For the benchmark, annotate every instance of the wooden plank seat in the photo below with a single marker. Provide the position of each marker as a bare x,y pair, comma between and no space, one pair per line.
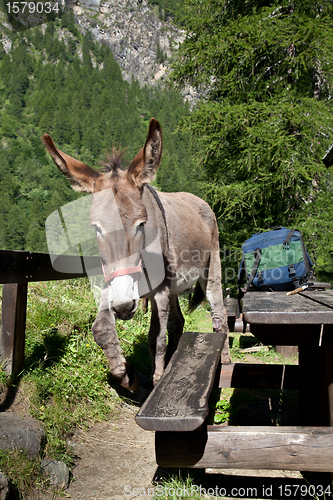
179,402
241,447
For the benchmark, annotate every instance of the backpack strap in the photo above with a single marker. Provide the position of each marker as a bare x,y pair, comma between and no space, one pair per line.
286,244
257,255
306,259
292,276
287,241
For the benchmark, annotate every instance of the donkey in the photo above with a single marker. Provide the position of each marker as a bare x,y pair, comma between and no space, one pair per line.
173,234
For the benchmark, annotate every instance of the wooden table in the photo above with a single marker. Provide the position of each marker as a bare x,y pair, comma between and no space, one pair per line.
304,320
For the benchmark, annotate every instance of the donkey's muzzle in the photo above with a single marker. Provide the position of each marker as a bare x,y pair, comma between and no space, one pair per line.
125,311
123,297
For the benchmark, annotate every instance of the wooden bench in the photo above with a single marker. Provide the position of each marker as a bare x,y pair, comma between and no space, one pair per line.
178,406
179,402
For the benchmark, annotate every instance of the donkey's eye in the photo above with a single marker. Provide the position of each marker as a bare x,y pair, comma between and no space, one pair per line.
139,228
139,224
97,229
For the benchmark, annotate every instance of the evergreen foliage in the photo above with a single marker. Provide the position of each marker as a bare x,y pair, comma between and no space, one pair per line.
264,70
63,83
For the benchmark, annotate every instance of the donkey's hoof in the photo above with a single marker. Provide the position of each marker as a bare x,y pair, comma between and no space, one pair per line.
156,378
131,380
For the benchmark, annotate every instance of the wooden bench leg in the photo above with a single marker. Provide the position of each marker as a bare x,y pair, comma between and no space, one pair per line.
13,319
313,387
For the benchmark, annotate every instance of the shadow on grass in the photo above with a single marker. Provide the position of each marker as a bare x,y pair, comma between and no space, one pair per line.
8,397
264,407
48,352
138,358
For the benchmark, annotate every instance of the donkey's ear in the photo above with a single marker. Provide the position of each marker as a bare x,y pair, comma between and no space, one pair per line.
143,168
82,177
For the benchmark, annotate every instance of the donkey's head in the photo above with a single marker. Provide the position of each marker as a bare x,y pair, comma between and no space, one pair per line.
118,214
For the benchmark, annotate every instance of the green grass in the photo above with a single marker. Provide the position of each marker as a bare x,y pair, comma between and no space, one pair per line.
176,488
66,373
25,474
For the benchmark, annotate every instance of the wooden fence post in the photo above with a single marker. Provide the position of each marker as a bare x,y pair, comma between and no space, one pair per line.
12,339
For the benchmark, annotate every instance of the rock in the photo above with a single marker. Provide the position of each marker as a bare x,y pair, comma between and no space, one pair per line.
21,433
135,34
5,488
58,473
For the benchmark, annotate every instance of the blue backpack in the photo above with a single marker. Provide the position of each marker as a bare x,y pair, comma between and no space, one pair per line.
275,260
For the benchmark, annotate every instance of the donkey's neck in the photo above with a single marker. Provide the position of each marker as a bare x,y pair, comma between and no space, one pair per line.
157,199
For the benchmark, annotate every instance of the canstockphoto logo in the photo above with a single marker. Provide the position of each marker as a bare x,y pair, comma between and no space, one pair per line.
73,247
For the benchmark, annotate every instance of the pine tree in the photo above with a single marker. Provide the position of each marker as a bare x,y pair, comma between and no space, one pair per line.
264,71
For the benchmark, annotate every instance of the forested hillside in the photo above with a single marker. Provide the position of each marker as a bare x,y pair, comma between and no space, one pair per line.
59,81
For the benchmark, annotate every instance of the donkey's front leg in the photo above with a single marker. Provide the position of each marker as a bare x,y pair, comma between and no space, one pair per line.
104,331
157,333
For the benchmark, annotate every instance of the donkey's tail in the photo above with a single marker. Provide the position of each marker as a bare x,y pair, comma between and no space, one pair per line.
196,298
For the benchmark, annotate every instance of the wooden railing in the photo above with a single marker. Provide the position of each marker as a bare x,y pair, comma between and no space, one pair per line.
17,269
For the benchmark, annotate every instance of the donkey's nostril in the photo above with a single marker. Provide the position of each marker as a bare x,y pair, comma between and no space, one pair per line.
124,311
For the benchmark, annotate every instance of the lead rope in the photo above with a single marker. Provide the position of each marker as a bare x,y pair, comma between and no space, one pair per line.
122,272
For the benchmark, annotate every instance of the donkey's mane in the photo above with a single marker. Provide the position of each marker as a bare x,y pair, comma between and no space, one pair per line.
112,160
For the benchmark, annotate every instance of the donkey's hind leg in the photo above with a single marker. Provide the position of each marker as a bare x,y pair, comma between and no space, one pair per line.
175,326
214,295
211,286
157,333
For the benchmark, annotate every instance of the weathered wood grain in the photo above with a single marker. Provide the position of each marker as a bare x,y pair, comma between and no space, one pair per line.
12,338
277,308
251,376
329,380
324,296
179,402
286,448
23,267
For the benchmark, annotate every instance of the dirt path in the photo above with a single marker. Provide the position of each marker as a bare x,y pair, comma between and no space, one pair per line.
116,461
